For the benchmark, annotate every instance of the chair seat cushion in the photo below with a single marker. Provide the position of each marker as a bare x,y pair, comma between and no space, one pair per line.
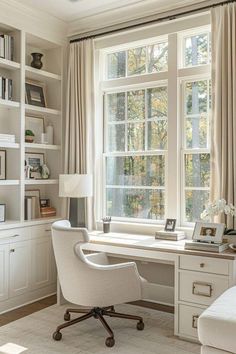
217,324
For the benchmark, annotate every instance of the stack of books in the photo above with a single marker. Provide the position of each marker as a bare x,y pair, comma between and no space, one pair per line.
170,235
47,212
7,138
5,88
206,246
32,209
6,46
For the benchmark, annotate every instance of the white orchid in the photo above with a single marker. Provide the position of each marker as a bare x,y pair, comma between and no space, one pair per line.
216,208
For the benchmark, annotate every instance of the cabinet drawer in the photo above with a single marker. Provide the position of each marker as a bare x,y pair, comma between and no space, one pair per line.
14,235
188,320
41,231
200,288
205,264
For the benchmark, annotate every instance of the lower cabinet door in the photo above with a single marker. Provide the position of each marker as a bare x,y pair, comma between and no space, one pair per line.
41,262
4,271
20,268
188,320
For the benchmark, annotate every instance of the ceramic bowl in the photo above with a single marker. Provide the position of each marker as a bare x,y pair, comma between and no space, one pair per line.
232,246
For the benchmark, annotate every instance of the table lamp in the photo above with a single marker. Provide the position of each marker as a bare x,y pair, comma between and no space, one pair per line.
75,186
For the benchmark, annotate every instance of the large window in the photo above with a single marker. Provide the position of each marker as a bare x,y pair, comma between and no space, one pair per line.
151,116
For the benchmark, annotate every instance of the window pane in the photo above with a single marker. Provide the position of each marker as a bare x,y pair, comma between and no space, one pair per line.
135,203
197,170
137,61
196,130
196,97
116,106
116,137
157,135
157,102
196,202
158,57
136,105
136,171
136,136
116,65
196,50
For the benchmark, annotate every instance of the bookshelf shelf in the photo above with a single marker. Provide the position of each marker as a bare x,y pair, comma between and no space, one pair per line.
9,64
9,182
42,146
41,181
35,74
9,145
9,104
43,110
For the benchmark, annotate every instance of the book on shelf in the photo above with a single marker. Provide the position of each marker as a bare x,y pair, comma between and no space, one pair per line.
7,138
32,209
6,88
206,246
47,211
6,47
170,235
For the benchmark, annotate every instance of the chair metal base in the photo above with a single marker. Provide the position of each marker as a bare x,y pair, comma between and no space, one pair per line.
98,313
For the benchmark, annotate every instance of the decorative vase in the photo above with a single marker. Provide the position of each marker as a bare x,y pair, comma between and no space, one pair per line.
29,139
36,62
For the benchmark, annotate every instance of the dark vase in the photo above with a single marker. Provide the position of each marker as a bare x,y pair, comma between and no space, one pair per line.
36,62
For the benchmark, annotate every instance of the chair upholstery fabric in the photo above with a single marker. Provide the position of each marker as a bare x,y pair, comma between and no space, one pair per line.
90,280
217,324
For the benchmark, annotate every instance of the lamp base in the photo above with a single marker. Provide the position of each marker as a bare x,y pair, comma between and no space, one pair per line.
77,212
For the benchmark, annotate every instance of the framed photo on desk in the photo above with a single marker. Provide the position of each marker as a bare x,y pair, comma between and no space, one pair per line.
208,232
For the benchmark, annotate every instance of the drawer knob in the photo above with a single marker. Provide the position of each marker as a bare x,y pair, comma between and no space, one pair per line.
12,250
202,265
194,321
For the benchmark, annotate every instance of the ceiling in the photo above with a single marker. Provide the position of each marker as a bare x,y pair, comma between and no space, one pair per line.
71,10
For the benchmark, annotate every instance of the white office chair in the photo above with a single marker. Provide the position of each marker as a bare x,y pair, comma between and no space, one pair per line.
89,280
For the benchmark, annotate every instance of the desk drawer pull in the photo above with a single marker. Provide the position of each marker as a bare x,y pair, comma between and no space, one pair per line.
198,289
12,236
202,265
48,230
194,321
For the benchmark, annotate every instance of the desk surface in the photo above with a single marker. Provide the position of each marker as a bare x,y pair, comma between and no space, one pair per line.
145,242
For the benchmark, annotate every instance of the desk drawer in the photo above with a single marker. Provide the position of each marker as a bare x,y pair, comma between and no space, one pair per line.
188,320
14,235
41,231
205,264
200,288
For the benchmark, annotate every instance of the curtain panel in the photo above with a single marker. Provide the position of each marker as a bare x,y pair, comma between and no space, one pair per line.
79,127
223,144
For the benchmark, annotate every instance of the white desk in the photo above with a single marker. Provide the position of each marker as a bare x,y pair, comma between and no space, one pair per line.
199,277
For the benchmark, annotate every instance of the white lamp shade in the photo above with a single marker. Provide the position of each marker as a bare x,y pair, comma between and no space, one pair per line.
75,186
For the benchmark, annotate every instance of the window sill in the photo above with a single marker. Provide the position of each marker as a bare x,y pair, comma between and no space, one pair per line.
141,228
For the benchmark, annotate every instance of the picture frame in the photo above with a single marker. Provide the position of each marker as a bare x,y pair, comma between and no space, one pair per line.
35,93
2,213
37,125
35,161
208,232
170,225
44,202
3,164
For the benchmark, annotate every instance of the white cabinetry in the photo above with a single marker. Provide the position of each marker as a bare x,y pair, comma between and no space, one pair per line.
4,271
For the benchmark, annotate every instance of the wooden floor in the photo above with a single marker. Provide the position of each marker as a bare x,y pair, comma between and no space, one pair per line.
27,310
51,300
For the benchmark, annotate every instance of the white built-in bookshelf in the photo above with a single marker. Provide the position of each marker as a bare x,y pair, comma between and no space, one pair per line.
12,121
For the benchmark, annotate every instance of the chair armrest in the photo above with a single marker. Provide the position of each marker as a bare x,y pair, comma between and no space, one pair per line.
98,258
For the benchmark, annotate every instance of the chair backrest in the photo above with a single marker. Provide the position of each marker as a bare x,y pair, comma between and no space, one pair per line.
71,266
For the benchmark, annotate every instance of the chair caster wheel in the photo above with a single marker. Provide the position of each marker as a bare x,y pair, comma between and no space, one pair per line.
110,341
57,335
67,317
140,326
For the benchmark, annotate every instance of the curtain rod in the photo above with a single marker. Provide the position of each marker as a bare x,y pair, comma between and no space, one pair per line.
106,31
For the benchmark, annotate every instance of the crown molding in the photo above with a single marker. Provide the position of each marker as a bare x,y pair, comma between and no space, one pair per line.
34,21
124,14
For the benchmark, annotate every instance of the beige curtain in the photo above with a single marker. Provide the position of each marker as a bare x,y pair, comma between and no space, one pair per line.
223,180
79,128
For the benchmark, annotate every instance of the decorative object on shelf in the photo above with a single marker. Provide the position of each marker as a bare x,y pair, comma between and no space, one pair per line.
216,208
6,88
7,138
47,212
3,164
28,168
2,212
44,138
36,125
44,202
49,131
208,232
232,246
6,46
106,224
37,60
32,205
75,186
170,225
45,173
29,136
35,93
35,161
